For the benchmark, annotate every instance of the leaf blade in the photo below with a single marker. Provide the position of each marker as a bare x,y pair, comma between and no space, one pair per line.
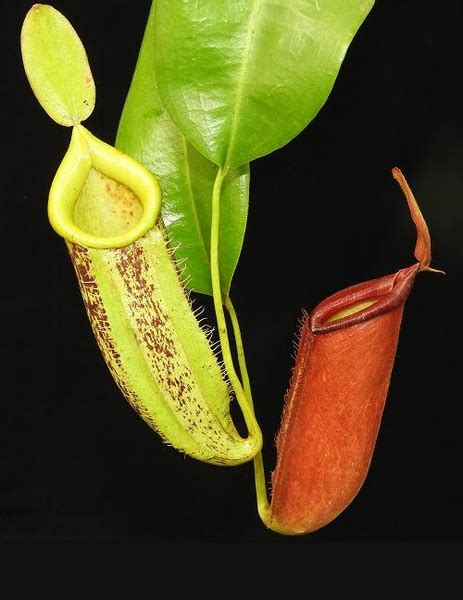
242,78
147,133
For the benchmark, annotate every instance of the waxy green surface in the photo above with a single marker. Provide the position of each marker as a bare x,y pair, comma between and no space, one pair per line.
243,78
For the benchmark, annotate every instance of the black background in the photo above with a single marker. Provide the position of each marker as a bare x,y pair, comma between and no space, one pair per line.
77,464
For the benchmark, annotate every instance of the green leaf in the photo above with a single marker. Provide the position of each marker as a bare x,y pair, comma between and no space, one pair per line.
147,133
56,65
242,78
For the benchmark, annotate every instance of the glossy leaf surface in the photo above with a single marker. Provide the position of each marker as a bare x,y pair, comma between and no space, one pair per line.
147,133
243,78
56,65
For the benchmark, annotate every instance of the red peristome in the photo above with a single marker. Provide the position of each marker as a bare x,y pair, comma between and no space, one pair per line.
389,292
335,403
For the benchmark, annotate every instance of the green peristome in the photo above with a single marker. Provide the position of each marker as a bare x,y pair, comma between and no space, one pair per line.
56,65
243,78
100,197
147,133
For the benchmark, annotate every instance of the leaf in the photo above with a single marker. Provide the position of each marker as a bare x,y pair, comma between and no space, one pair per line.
243,78
56,65
147,133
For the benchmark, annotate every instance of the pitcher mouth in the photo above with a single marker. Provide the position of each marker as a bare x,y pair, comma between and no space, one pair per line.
364,301
100,197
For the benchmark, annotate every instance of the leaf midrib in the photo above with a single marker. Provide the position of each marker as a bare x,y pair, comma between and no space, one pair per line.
242,78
